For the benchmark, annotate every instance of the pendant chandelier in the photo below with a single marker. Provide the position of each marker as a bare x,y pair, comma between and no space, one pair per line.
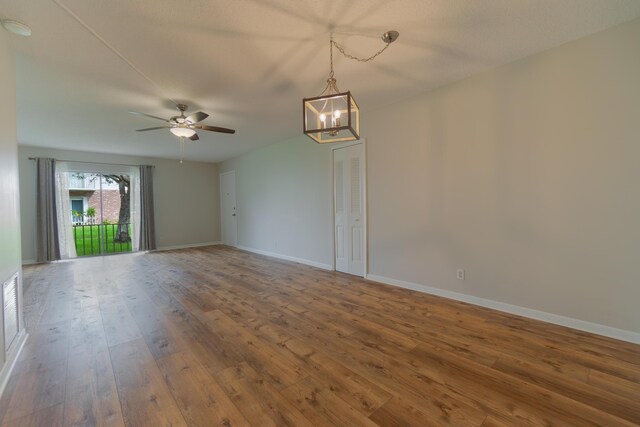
334,116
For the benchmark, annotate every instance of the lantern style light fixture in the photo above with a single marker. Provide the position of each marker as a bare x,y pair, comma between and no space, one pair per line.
334,116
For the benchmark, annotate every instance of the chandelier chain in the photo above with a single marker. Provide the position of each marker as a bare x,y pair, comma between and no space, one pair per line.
347,55
331,42
332,86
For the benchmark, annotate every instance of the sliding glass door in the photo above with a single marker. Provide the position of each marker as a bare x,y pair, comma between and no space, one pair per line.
97,211
104,225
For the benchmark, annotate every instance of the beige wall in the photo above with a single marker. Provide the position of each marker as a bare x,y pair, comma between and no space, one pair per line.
284,199
185,195
526,176
9,203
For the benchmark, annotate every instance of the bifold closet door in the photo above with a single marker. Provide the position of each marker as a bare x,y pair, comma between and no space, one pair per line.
348,181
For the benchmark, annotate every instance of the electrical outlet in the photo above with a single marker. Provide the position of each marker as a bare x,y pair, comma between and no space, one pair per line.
460,274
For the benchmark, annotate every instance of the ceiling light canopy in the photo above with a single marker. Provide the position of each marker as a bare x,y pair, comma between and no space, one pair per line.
334,116
16,27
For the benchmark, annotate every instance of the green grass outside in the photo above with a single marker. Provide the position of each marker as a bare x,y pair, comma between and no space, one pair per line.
90,242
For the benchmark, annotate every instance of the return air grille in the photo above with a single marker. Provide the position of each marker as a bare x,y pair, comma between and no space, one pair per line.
10,298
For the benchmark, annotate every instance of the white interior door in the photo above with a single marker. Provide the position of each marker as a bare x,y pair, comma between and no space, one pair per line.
348,182
229,218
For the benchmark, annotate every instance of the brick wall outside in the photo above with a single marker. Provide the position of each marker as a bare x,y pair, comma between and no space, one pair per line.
110,205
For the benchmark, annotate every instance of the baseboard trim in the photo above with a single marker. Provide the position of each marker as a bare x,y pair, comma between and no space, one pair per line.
158,249
12,358
190,245
287,258
569,322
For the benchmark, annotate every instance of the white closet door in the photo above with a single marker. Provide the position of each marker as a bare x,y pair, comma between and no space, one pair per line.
348,203
356,231
229,219
341,215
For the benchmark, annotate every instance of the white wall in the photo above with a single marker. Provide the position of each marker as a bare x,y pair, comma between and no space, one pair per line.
284,199
185,195
526,176
9,203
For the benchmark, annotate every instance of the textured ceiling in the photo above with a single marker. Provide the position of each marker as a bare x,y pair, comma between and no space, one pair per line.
249,63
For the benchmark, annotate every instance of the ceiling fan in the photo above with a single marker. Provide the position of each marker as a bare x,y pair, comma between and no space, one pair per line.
184,126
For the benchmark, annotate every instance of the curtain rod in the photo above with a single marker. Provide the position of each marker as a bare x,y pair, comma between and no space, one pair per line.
92,163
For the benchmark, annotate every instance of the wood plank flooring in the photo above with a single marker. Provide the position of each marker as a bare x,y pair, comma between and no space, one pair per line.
220,337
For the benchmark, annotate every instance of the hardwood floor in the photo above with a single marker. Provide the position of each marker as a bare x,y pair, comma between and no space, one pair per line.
217,336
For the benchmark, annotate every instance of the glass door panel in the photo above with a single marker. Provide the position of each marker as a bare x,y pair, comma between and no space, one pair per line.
101,213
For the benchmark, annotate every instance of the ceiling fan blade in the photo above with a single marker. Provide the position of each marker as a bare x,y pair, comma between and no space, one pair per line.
148,115
154,128
214,129
195,137
196,117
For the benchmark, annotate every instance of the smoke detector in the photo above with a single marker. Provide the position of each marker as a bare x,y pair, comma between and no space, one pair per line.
16,27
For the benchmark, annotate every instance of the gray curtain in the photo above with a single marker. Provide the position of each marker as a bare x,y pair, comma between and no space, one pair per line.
48,246
147,222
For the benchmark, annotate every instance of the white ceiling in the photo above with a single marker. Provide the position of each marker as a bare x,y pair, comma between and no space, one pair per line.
249,63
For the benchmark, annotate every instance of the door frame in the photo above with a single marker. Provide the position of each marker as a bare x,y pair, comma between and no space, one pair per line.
235,187
365,206
85,203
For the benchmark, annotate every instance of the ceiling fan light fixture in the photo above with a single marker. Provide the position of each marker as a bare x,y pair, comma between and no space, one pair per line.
184,132
183,127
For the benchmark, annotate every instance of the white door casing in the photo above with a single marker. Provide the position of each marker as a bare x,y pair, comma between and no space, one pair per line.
228,212
348,190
